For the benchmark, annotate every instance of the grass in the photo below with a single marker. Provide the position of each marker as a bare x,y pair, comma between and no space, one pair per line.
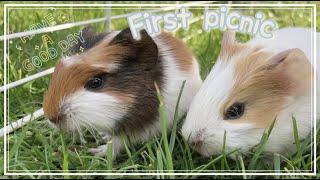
38,148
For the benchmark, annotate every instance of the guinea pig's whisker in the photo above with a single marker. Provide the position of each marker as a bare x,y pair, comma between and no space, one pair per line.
78,130
89,127
74,133
92,130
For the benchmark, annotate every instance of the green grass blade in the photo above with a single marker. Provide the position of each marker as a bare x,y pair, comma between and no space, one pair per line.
175,119
65,165
243,168
188,152
300,158
110,155
163,124
159,163
277,164
224,162
260,147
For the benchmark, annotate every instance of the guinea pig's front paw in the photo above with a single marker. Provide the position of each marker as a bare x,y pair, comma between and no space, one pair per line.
99,151
102,150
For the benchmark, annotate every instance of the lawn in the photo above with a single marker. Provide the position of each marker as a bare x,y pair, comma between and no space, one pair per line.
37,147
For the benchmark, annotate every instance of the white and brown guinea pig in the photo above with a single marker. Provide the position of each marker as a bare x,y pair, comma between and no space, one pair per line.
249,87
110,86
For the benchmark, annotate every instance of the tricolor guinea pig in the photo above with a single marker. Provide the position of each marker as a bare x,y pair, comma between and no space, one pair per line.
110,86
251,86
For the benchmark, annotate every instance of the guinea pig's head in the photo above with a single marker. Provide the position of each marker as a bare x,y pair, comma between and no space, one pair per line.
109,87
244,93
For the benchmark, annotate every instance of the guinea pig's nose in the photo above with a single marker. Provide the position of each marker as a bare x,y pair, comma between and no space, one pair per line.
196,144
197,141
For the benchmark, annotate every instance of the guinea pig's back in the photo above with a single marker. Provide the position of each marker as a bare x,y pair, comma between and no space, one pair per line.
288,38
179,64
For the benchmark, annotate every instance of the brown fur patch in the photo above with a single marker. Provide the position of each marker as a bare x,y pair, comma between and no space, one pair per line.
294,64
104,54
182,54
262,90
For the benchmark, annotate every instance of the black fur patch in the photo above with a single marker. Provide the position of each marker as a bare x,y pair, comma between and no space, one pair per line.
141,68
90,40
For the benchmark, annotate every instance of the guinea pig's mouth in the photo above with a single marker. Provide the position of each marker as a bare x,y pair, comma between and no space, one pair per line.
197,142
64,122
64,126
203,150
70,123
86,134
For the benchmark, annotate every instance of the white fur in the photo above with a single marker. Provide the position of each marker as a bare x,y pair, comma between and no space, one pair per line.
76,59
70,60
93,110
174,77
109,67
204,115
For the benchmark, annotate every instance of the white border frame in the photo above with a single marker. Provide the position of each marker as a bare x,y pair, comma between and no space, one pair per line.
151,5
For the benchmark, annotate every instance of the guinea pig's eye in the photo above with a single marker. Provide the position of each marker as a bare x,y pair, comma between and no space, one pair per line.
95,83
235,111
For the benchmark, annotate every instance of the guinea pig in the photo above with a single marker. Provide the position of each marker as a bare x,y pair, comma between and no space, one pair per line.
110,86
251,86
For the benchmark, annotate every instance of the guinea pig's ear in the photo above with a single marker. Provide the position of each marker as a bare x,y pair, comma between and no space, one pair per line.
229,45
294,67
88,40
148,49
228,38
123,37
144,50
88,32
